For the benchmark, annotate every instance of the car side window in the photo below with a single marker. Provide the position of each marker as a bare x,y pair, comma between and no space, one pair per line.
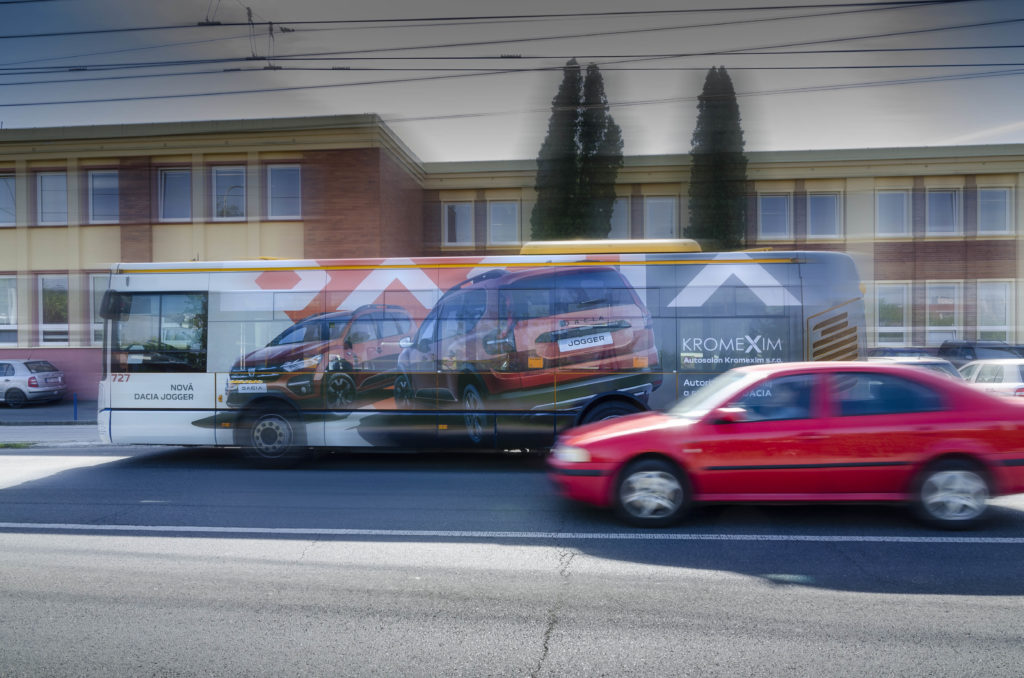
363,329
968,372
990,374
6,370
460,314
786,397
861,394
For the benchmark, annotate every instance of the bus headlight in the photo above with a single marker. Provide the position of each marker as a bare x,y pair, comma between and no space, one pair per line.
570,454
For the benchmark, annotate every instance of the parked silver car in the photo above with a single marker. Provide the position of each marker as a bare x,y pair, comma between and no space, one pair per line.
1003,377
23,381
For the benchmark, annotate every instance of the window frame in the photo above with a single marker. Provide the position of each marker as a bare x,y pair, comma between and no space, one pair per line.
788,197
905,328
1009,304
117,196
905,221
8,327
270,168
445,227
215,173
957,327
162,198
13,178
96,324
63,328
838,215
652,200
957,226
40,176
491,240
1008,221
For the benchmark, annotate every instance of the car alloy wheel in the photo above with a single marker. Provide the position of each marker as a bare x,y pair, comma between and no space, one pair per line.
473,403
341,390
953,495
652,493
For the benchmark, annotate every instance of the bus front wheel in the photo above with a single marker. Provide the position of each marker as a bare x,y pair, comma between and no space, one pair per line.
273,439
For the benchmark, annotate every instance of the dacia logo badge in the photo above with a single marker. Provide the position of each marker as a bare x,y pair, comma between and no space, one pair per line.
252,371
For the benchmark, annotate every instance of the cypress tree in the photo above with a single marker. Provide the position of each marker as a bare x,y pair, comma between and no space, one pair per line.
600,157
718,179
578,161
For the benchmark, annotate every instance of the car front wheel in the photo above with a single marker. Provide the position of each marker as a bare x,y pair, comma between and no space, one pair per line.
952,495
652,493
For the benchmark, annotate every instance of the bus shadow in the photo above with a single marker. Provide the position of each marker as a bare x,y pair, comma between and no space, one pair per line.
507,499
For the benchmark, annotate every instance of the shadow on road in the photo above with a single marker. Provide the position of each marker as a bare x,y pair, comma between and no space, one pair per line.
507,499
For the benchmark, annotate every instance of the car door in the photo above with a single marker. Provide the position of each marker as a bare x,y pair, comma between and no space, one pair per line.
879,425
773,451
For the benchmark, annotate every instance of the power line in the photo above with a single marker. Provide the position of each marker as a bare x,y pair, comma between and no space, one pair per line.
893,4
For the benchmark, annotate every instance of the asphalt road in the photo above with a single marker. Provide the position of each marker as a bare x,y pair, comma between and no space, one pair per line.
166,562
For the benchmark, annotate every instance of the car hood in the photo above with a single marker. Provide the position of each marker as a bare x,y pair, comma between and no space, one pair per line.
275,356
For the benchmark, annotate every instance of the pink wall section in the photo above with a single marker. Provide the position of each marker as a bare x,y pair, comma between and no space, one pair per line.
81,366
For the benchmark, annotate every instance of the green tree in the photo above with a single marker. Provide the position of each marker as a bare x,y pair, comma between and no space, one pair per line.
578,161
718,177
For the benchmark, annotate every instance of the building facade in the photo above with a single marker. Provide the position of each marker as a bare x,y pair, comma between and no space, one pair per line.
935,231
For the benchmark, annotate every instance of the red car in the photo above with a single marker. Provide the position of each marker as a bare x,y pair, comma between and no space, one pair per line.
804,432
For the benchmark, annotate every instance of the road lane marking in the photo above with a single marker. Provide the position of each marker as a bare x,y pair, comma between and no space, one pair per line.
488,534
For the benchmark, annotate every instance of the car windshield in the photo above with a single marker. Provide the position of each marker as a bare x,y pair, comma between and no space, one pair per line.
37,366
707,396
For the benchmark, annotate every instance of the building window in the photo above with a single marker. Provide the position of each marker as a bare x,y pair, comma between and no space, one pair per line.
891,312
458,223
774,216
284,192
893,213
8,217
620,220
98,284
53,309
175,194
661,217
942,313
995,315
228,193
103,197
824,215
52,198
943,212
8,310
994,211
503,223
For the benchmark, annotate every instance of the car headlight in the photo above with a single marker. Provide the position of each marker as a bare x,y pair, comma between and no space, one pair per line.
298,365
570,454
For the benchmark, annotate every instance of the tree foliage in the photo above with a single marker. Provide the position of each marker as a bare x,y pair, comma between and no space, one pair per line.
578,161
718,178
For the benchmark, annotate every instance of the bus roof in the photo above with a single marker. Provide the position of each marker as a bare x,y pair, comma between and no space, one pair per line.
610,246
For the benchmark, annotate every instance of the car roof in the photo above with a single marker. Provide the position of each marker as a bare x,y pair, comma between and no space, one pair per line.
995,361
893,367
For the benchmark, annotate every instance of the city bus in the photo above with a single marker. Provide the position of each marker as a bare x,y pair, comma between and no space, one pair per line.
278,358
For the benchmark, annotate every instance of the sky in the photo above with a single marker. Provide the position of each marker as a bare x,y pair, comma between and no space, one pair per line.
461,80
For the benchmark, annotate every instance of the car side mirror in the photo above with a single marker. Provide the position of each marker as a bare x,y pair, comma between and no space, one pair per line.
727,415
405,342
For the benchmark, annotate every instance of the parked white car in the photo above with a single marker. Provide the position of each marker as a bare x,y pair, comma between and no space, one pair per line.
940,365
23,381
1002,376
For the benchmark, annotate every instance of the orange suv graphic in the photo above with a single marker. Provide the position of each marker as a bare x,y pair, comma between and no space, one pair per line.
536,339
325,359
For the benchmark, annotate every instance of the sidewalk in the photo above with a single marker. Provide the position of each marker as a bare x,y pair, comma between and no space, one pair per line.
60,424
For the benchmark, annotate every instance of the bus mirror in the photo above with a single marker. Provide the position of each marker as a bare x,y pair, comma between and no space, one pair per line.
112,306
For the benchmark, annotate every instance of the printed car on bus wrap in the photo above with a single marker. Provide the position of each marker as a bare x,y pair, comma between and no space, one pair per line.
504,339
324,359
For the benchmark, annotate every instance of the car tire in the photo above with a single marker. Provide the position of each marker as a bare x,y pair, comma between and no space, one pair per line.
15,398
403,391
612,409
952,494
339,390
652,493
473,405
272,438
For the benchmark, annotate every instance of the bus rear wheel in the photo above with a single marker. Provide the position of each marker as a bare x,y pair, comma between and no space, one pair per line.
273,439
